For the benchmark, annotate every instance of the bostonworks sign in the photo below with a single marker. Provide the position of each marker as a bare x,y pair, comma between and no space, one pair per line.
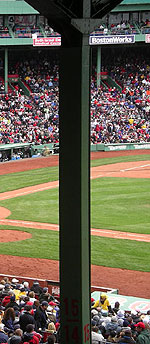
121,39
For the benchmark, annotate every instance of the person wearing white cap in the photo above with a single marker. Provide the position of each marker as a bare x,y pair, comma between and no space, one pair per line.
146,321
120,314
26,285
14,280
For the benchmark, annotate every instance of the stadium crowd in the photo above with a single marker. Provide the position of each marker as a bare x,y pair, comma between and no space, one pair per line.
29,314
117,115
123,27
122,116
32,119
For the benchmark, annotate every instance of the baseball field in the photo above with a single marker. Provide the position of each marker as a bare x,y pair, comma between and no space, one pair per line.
120,220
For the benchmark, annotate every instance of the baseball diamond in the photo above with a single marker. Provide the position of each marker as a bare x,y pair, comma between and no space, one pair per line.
131,282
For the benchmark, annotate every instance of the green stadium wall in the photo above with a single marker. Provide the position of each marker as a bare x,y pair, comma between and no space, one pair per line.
94,147
119,146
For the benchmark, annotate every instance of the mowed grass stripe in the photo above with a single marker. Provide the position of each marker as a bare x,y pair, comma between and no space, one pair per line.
116,253
121,204
116,203
39,206
14,181
115,160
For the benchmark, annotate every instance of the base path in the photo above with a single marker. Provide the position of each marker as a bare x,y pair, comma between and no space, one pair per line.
97,232
133,283
28,190
137,169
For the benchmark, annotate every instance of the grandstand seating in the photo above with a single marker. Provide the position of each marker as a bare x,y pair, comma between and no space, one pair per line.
21,296
118,115
4,32
27,32
122,28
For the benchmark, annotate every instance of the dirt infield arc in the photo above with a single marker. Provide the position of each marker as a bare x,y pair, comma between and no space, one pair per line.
128,282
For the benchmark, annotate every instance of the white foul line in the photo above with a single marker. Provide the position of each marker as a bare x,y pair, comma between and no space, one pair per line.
133,168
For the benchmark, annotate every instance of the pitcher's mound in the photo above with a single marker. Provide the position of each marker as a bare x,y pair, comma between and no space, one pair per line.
11,235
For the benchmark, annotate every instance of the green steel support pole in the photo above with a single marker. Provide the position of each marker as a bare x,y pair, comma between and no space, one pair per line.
74,199
98,67
11,153
6,70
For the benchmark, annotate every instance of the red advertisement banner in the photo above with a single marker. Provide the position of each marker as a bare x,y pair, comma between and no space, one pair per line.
49,41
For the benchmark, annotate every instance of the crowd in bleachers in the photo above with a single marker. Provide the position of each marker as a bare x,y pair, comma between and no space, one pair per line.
32,119
122,116
21,31
25,27
113,24
123,27
24,119
117,116
30,314
144,26
4,32
120,28
111,324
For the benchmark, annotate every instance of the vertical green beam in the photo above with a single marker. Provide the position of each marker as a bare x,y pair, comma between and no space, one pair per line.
74,199
6,20
98,67
6,70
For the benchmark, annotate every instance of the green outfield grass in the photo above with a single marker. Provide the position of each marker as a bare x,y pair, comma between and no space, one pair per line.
14,181
116,203
130,158
117,253
121,204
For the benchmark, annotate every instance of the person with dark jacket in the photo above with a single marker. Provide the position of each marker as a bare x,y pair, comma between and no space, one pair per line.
41,316
13,304
36,288
45,296
30,336
26,318
14,340
8,319
51,339
126,337
3,335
